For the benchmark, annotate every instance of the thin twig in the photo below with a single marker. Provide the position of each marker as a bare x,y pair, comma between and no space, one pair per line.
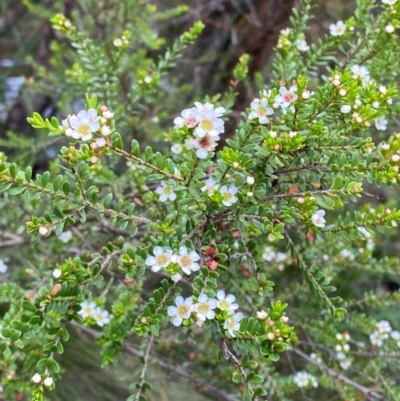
144,369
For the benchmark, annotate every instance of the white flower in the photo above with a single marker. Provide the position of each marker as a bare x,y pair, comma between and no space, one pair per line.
262,315
360,72
305,379
187,261
269,254
381,123
302,45
226,302
65,236
229,195
204,307
84,124
347,254
57,273
117,42
210,186
318,218
181,311
383,326
3,266
390,2
337,29
260,110
161,258
233,323
204,144
101,316
345,109
364,231
287,96
378,338
87,309
176,148
389,28
396,337
188,118
176,277
345,364
208,120
36,378
166,192
285,32
48,381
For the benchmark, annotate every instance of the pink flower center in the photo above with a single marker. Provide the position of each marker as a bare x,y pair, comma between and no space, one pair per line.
186,261
190,122
288,97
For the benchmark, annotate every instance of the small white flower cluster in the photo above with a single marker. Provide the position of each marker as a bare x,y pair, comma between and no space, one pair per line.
261,110
270,255
3,266
207,124
204,309
305,379
384,330
90,309
337,29
37,378
86,123
341,350
228,193
345,253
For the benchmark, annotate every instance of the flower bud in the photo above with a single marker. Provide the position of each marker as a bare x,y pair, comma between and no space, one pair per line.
57,273
271,323
105,130
250,194
250,180
36,378
48,381
300,200
235,164
385,146
342,92
271,336
395,158
108,115
43,230
284,319
382,89
262,315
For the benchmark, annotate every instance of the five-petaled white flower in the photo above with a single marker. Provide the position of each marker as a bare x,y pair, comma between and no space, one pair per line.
3,266
302,45
287,96
188,118
204,144
228,195
318,218
210,186
204,307
360,71
166,192
305,379
233,323
337,29
161,258
381,123
65,236
260,110
84,124
181,311
208,120
87,309
226,302
187,260
383,326
101,316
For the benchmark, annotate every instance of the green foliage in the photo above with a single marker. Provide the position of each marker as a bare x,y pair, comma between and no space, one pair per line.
278,216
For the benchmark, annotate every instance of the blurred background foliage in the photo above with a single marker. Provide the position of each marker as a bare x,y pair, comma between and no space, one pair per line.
40,71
